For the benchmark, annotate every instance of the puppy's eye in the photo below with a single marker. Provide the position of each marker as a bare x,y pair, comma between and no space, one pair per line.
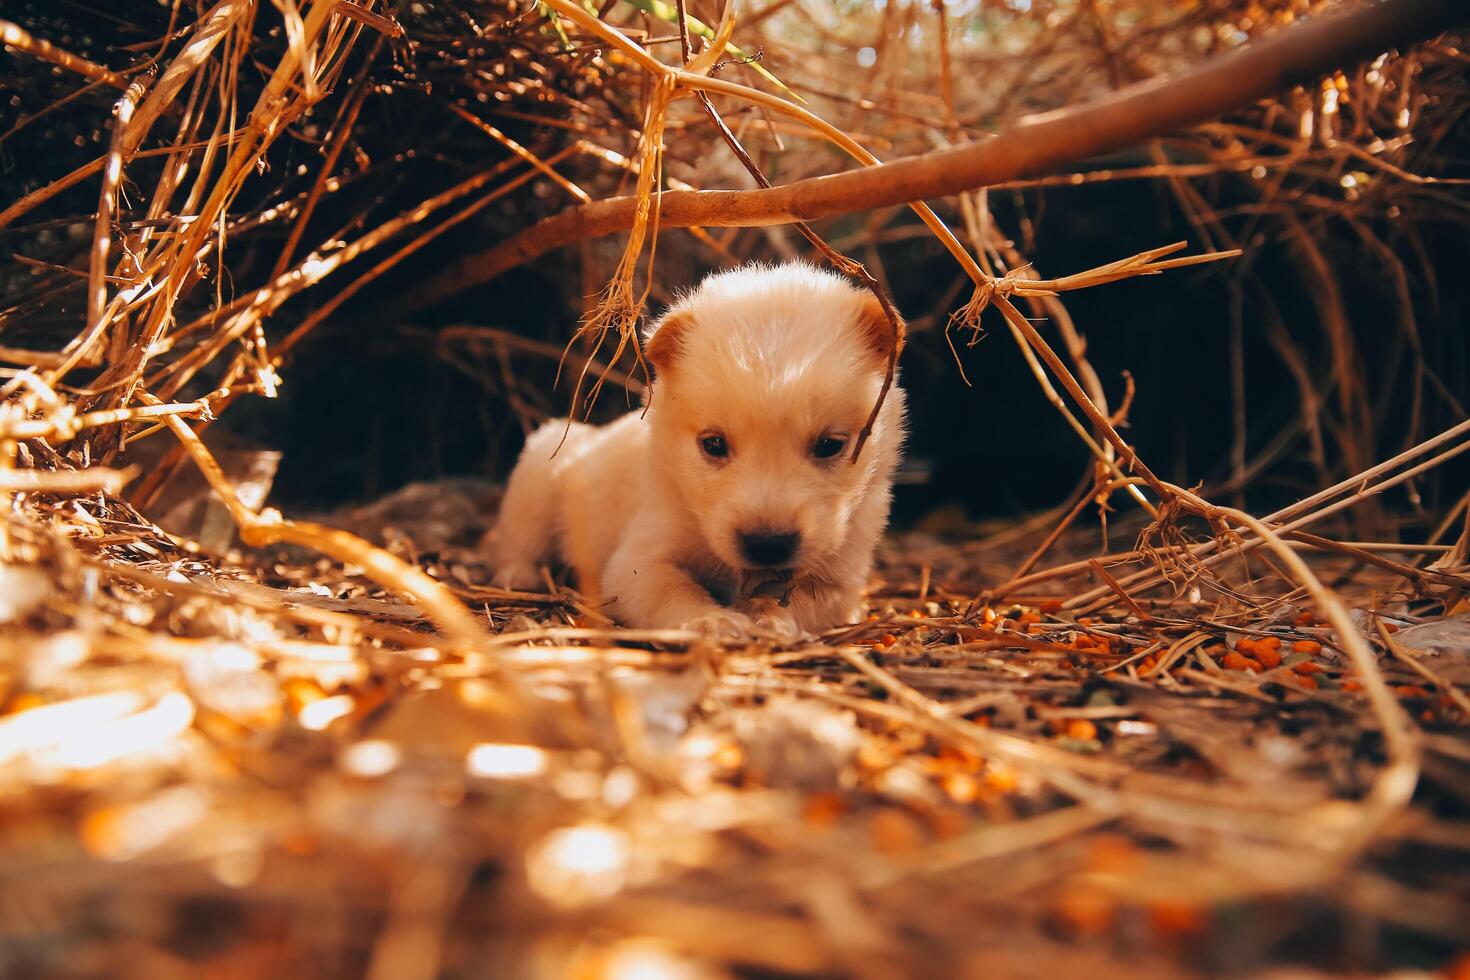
828,446
714,445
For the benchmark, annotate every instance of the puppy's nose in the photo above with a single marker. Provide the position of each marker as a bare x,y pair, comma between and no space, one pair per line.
768,548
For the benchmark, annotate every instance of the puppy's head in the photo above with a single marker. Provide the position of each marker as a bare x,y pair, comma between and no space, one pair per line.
764,378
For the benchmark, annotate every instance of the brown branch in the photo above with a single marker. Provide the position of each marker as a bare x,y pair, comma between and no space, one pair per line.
1138,112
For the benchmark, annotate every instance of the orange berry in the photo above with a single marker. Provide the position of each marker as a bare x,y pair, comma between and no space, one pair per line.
1235,661
961,787
1002,779
1050,605
1391,627
1457,968
1308,667
1173,920
948,823
1307,681
300,692
1030,617
25,702
889,639
1306,646
1352,686
959,758
1268,656
1081,729
1274,642
895,832
823,809
1412,691
1112,854
1084,910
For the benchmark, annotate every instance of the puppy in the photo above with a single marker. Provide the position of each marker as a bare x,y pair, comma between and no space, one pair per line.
730,503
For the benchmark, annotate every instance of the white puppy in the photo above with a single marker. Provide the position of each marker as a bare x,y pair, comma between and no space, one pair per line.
731,503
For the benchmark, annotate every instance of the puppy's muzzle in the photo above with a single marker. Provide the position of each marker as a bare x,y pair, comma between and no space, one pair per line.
765,548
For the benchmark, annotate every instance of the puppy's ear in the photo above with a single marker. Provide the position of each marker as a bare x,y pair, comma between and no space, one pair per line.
666,344
876,332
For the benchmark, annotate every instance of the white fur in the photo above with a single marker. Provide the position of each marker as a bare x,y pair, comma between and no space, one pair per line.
773,359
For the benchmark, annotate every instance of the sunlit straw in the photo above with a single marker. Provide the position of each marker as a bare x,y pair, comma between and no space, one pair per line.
492,761
319,714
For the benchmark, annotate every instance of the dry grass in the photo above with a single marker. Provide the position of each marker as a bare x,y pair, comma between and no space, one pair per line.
280,766
331,751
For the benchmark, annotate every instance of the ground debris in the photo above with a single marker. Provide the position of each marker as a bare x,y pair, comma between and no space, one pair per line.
264,735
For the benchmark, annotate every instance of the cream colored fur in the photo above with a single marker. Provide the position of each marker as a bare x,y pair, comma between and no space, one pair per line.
772,358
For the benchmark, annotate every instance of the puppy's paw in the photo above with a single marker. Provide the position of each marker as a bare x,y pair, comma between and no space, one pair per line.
723,624
775,621
782,629
519,576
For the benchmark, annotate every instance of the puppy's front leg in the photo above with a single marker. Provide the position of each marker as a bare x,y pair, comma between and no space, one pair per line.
524,529
648,589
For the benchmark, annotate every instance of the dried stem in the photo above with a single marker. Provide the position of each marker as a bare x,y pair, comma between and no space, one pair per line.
1226,82
269,527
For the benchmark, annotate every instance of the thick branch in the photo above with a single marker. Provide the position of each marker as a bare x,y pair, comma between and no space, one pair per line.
1300,54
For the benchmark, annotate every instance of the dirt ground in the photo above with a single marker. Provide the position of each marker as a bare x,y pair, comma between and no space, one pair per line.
264,764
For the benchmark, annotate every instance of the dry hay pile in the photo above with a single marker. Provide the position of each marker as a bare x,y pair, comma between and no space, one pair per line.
331,750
